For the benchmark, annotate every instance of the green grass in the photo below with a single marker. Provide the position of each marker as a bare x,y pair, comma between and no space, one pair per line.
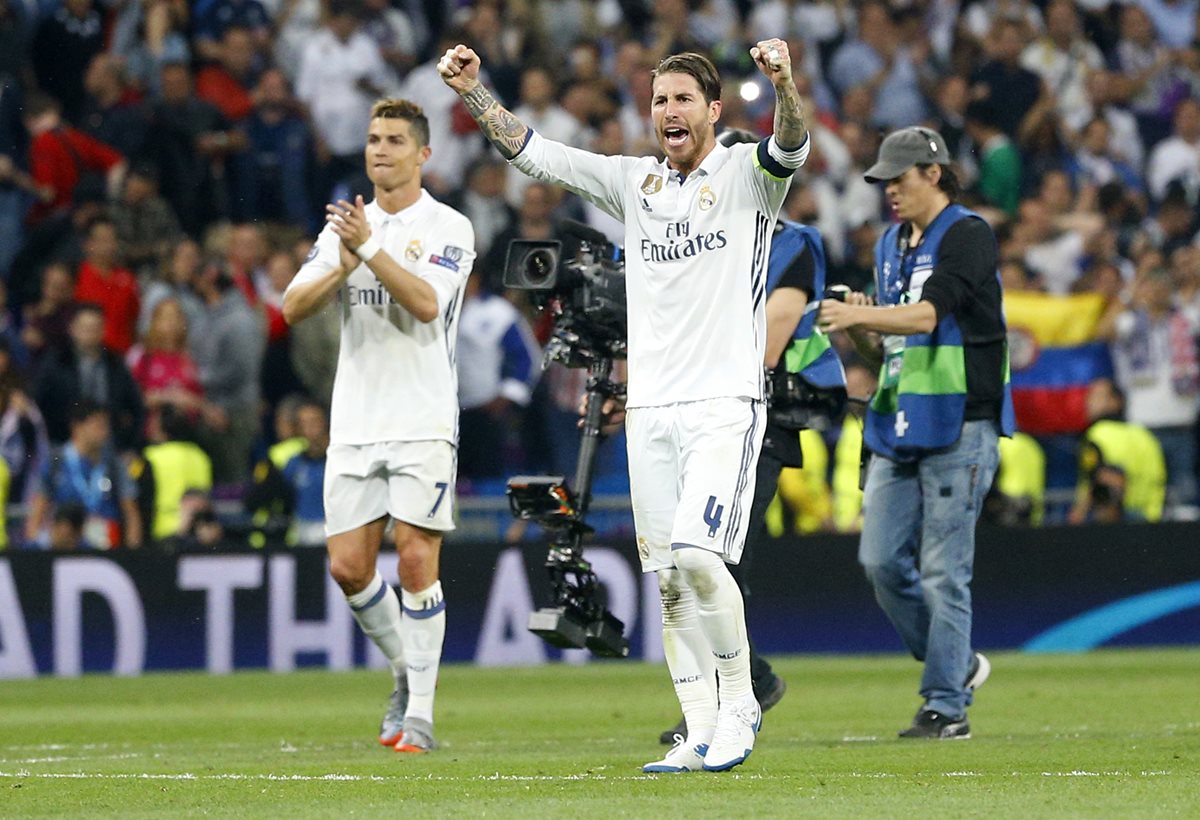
1108,734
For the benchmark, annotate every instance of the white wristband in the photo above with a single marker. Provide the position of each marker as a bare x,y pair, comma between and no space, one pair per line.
368,249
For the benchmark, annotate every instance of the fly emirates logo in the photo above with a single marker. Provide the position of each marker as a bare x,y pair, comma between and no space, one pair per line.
681,244
369,297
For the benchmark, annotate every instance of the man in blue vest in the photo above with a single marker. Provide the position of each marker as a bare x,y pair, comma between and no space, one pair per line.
795,277
938,334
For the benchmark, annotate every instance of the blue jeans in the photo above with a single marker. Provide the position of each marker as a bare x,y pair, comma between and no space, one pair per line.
918,550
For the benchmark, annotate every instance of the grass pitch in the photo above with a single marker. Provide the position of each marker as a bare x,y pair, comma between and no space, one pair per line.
1107,734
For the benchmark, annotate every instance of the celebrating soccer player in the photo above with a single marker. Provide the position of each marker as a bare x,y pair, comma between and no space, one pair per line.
398,265
697,229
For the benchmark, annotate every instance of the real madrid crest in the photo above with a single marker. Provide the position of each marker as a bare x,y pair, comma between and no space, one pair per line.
707,198
652,184
413,252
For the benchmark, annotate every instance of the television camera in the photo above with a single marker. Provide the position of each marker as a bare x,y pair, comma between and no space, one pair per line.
582,282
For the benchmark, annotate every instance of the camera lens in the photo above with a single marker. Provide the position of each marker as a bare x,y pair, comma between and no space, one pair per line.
539,265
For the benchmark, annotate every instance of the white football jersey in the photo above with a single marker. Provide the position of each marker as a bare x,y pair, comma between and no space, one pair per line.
396,377
695,259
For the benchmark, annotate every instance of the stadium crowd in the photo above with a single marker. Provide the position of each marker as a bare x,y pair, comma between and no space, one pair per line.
164,166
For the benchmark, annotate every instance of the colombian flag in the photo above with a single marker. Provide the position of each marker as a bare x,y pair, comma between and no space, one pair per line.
1054,355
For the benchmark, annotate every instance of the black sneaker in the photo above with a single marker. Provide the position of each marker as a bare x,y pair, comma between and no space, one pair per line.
668,737
936,726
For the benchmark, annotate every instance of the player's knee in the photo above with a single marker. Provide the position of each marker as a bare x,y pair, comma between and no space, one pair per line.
678,600
700,569
418,560
352,573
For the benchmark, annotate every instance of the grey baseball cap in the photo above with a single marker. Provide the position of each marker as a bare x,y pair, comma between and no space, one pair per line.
905,148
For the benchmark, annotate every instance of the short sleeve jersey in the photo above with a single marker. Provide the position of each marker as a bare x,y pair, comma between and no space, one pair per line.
696,251
396,378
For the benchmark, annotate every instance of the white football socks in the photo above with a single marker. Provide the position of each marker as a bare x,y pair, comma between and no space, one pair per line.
689,659
377,610
423,628
722,616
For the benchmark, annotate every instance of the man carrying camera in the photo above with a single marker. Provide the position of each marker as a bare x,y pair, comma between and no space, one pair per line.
696,238
933,425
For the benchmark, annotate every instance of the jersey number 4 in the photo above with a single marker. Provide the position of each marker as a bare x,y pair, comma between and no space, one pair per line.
712,516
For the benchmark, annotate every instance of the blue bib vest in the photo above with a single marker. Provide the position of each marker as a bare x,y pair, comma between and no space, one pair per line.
809,353
922,393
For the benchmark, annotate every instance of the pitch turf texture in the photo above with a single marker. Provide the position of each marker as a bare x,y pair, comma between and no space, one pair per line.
1106,734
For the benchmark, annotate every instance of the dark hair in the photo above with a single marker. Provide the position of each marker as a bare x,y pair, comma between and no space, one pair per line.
948,183
72,513
175,423
87,307
394,109
83,410
696,66
39,102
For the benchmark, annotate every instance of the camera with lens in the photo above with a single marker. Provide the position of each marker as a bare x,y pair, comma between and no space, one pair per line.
581,280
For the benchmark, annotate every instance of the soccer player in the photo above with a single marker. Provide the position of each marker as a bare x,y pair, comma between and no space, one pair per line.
697,230
398,266
939,337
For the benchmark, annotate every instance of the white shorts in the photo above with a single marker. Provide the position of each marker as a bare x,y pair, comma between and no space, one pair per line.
412,481
691,475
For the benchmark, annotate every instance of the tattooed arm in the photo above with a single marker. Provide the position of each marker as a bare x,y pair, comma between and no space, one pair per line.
459,68
775,63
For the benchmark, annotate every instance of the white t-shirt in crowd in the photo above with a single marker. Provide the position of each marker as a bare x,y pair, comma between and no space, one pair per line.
695,259
396,377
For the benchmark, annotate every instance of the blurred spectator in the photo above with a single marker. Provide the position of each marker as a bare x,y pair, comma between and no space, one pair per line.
453,135
1154,351
876,61
64,45
1152,77
226,83
539,110
24,445
1174,224
61,156
228,350
146,226
1125,141
497,370
279,378
66,528
1010,88
296,21
274,173
87,471
200,528
314,343
163,368
1121,470
482,201
1018,495
177,466
1062,58
1096,164
341,74
393,33
180,269
191,142
1053,251
305,475
14,40
48,320
999,160
112,112
1174,20
213,18
1177,158
804,492
102,281
148,35
12,349
85,371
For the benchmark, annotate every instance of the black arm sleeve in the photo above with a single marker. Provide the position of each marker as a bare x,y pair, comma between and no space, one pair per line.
801,274
965,268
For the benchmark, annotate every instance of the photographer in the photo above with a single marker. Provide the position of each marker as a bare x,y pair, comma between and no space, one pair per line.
943,401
